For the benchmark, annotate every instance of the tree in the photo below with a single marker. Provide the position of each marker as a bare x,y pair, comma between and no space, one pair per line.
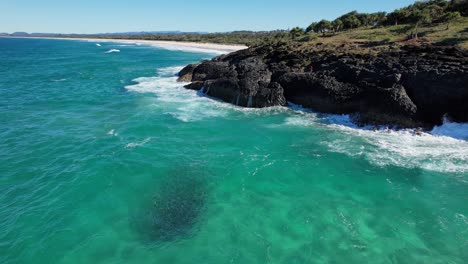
365,19
337,24
296,32
435,11
460,6
351,22
323,26
420,17
398,16
450,16
311,27
380,18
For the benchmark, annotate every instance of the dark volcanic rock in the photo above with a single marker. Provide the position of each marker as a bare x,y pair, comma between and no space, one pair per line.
437,93
212,70
320,92
185,75
413,86
197,85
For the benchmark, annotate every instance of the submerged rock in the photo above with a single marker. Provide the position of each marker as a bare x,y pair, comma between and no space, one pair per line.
409,87
175,209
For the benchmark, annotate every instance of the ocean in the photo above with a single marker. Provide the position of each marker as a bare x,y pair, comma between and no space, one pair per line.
105,158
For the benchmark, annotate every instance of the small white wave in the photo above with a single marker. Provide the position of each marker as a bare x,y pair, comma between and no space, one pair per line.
112,133
384,147
153,84
189,105
112,51
97,44
59,80
169,71
403,148
138,144
300,121
451,129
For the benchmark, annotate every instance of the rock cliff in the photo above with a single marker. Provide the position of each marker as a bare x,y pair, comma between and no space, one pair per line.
407,86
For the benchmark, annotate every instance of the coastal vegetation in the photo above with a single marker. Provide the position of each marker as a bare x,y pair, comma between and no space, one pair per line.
434,21
439,22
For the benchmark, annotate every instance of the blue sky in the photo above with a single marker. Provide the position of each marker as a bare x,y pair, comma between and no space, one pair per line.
95,16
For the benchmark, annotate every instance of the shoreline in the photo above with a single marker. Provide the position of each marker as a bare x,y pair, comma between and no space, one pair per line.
383,89
170,45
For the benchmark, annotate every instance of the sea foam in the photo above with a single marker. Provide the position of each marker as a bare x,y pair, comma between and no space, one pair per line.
437,150
191,105
112,51
402,148
138,144
451,129
434,150
170,92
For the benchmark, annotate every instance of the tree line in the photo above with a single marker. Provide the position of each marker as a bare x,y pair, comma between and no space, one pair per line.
419,13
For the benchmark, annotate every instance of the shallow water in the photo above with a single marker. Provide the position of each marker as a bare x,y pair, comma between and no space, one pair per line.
104,158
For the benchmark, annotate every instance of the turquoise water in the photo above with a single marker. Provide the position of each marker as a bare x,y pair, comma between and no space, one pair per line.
104,158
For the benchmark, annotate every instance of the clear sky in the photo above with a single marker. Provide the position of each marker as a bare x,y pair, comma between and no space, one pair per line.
99,16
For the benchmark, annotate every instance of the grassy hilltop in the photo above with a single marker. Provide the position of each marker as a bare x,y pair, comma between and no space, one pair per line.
437,22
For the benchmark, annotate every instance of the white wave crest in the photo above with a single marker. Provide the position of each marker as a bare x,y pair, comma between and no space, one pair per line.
169,71
138,144
384,147
451,129
172,95
381,147
97,44
404,148
189,105
112,51
112,133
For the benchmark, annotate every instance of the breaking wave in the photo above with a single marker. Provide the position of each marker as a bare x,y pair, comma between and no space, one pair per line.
443,149
451,129
437,150
112,51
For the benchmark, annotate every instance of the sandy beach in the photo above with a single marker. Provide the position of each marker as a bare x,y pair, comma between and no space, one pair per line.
171,45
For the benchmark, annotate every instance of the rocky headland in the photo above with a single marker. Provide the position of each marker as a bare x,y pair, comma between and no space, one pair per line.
401,86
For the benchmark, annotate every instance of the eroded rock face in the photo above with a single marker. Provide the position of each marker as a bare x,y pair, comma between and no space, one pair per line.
186,74
412,86
244,81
